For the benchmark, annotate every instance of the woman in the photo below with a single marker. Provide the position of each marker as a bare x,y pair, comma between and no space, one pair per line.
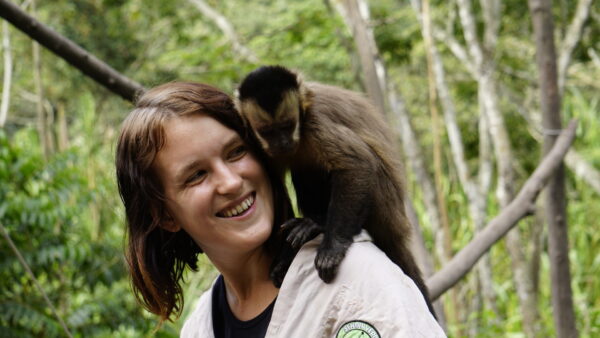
193,180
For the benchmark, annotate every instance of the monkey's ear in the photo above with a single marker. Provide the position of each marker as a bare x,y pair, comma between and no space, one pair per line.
237,102
305,92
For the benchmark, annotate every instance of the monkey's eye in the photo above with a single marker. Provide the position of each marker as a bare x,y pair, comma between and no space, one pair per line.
267,132
287,126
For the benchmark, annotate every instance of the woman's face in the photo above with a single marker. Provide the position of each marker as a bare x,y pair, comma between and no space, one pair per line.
216,190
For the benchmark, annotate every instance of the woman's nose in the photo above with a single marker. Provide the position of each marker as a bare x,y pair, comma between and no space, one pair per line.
228,180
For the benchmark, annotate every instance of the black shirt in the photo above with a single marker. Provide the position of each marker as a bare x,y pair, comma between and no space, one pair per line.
225,325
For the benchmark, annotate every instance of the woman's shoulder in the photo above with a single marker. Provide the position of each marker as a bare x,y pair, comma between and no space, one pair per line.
368,272
199,322
364,262
368,290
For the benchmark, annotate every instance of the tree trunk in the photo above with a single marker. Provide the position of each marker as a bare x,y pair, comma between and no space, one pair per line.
63,127
354,13
484,70
7,74
558,245
437,153
46,141
435,121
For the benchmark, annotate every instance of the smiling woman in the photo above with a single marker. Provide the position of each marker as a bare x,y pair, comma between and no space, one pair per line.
208,183
192,181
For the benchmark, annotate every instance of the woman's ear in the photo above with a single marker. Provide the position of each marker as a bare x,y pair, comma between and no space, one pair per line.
168,223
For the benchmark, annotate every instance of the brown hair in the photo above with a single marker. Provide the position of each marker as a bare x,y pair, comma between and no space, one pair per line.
157,257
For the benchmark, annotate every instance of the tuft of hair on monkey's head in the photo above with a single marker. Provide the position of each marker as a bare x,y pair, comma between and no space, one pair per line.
267,86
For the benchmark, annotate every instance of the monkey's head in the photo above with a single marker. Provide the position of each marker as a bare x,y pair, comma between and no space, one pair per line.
272,100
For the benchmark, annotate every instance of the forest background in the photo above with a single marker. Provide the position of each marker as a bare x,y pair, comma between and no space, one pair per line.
454,78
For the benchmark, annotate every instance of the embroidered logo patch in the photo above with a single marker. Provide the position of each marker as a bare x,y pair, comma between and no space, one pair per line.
356,329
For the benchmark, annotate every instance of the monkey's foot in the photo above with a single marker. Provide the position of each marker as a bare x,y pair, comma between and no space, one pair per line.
329,256
298,231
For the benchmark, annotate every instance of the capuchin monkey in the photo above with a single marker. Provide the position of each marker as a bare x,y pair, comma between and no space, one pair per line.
344,166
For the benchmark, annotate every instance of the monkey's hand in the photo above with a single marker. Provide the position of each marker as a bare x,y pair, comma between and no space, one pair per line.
330,254
298,231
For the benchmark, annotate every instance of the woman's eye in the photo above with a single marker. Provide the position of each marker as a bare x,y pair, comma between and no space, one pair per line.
238,152
197,176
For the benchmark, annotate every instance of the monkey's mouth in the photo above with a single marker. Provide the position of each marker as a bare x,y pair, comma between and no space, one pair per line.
239,209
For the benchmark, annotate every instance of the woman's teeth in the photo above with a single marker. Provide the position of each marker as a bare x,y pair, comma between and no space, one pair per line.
245,205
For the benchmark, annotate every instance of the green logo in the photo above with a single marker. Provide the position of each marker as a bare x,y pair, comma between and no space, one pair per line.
357,329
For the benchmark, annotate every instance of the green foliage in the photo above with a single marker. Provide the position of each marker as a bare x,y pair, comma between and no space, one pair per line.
64,213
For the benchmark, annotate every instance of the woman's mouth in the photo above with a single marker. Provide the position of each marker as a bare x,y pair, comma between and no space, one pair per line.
239,209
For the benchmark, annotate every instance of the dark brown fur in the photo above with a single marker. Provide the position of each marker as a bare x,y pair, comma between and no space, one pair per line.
347,174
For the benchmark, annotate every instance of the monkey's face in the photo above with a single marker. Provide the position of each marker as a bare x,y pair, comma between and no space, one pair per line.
278,138
279,131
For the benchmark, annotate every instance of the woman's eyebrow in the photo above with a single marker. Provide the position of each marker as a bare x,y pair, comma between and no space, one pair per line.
181,174
232,140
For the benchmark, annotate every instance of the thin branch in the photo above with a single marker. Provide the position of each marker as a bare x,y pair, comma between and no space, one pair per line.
467,20
583,169
571,40
71,52
457,49
594,56
520,207
227,29
35,281
574,160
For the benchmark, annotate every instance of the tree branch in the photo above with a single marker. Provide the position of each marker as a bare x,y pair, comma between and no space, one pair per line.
520,207
35,281
71,52
457,49
571,40
227,29
467,20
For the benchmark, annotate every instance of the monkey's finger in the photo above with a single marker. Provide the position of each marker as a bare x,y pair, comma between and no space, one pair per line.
301,231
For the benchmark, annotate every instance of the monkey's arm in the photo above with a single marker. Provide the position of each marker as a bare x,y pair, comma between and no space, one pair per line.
353,168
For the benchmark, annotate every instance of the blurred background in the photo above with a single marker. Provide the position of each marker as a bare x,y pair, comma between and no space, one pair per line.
457,80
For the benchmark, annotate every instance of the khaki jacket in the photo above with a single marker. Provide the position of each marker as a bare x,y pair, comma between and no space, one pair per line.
370,296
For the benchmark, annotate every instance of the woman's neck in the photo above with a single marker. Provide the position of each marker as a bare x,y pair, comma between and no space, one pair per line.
248,287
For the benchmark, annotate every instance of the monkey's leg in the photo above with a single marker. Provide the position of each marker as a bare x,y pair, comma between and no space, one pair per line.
295,232
281,263
346,215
